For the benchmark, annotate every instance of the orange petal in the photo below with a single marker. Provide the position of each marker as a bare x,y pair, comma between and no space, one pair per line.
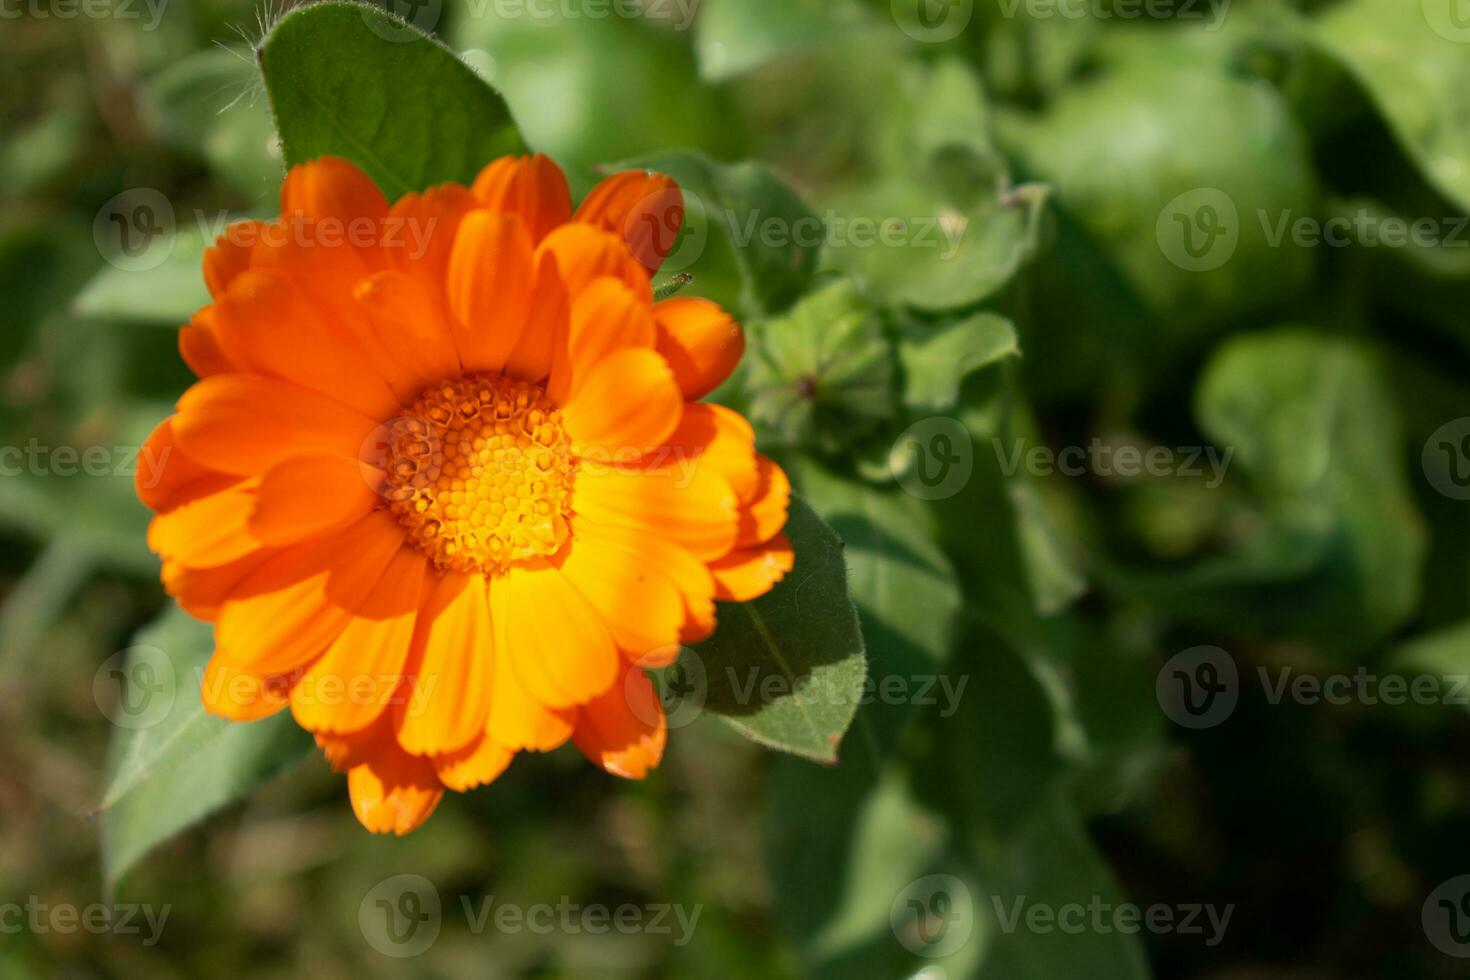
209,530
289,611
240,695
165,477
645,209
411,327
715,436
391,790
490,275
201,591
244,424
749,573
764,514
477,764
349,687
269,326
547,326
533,187
517,720
628,406
560,649
701,342
585,253
691,506
690,576
607,316
199,348
305,496
642,609
451,664
624,730
230,254
331,187
420,232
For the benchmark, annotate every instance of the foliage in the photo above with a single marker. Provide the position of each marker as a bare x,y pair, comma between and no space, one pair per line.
961,260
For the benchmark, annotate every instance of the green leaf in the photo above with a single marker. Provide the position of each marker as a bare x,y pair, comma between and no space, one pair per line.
166,294
588,88
936,360
171,763
1411,60
786,670
749,214
942,240
1170,167
407,111
1331,546
822,375
904,586
733,37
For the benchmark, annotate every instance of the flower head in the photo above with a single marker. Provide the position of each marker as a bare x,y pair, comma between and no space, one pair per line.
444,485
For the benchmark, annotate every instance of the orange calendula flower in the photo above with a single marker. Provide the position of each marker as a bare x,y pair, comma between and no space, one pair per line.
444,486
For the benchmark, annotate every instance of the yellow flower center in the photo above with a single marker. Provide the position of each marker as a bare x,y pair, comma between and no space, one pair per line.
480,472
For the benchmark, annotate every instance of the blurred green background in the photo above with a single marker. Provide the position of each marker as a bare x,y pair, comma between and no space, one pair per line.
1129,180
